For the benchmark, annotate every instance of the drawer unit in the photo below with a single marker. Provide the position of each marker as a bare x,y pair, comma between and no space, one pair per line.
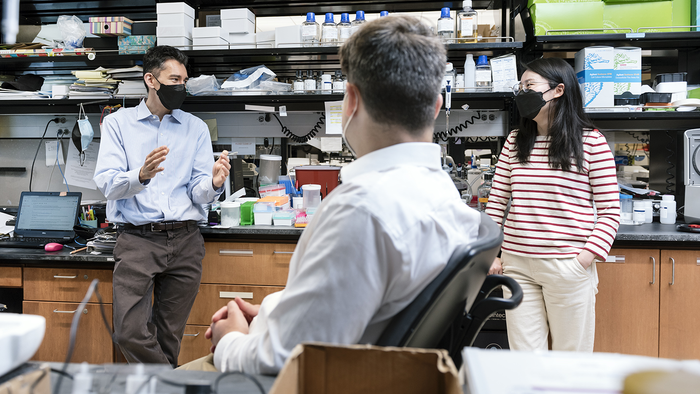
212,297
193,345
247,263
93,343
11,277
65,284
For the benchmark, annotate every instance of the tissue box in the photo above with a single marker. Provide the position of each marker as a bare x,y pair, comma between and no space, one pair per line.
135,45
636,15
594,68
558,16
628,70
110,26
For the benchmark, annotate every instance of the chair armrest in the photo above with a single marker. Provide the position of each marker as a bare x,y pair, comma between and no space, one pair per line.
485,304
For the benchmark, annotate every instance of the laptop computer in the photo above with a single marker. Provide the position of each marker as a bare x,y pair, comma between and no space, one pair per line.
44,217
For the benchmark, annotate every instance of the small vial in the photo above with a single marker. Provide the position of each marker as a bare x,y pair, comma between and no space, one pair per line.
310,83
299,83
338,85
483,73
344,27
383,14
446,25
310,31
329,31
326,84
359,21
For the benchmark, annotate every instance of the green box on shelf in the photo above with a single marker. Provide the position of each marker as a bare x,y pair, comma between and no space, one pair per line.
648,15
530,3
567,16
682,14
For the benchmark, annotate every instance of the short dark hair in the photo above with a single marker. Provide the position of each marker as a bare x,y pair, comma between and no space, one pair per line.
155,58
397,64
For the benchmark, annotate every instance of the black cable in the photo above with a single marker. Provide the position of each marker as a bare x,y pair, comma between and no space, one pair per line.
66,374
215,386
272,147
31,174
670,185
305,138
104,316
444,135
74,332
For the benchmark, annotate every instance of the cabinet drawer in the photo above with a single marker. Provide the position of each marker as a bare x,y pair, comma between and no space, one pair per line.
65,284
10,276
247,263
212,297
193,345
93,343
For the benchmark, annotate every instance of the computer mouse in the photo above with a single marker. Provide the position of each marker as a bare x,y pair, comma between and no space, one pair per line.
53,247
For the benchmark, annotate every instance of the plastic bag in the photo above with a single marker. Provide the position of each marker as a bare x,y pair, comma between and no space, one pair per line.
202,85
249,78
72,31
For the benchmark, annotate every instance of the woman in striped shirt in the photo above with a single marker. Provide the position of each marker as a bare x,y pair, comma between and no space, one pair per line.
559,175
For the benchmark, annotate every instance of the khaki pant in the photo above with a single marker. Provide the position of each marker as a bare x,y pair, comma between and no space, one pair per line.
558,300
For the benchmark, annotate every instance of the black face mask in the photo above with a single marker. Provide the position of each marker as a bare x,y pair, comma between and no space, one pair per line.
530,103
171,96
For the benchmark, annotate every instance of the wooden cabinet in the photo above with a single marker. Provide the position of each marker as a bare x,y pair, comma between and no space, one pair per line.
55,294
248,270
648,302
11,277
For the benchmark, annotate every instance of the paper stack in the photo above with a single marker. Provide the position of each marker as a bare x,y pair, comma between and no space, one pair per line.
93,84
130,81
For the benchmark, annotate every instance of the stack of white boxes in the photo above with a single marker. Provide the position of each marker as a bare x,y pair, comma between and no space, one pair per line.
175,25
213,37
240,25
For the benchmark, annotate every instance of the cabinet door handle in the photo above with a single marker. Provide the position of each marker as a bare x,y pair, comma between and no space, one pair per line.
673,271
233,294
279,252
653,270
57,311
65,276
190,335
228,252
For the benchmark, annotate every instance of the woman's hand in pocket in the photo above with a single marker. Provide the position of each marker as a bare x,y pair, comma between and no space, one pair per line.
585,258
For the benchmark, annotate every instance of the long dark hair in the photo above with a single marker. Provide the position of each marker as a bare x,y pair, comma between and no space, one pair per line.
567,119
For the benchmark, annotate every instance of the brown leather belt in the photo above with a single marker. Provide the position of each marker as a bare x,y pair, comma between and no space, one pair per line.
159,226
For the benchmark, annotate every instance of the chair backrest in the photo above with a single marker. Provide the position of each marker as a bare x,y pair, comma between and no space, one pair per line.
425,320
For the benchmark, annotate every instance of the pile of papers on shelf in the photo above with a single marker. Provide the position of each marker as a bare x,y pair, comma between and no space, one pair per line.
130,81
93,84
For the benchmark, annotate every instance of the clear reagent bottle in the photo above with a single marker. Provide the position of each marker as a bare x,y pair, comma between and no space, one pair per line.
359,21
467,22
310,31
299,83
445,25
329,31
344,27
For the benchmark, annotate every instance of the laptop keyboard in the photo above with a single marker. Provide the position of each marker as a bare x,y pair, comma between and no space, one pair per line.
28,242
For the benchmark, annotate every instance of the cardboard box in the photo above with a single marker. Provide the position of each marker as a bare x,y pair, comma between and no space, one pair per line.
628,70
27,379
636,15
174,31
315,368
558,16
239,26
110,26
238,13
175,8
594,68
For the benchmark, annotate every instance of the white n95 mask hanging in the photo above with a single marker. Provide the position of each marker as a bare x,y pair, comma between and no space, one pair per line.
82,134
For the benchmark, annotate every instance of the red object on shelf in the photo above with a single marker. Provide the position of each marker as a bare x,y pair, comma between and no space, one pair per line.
326,176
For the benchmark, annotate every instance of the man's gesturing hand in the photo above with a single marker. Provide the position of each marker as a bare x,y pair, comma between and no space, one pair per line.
221,170
151,165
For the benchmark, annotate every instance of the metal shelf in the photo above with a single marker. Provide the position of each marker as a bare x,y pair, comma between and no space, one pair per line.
668,40
646,121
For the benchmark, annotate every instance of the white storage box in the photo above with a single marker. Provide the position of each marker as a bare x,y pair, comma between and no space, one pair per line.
239,26
201,43
182,43
265,39
288,36
175,20
209,32
241,41
263,218
174,31
175,8
238,13
594,68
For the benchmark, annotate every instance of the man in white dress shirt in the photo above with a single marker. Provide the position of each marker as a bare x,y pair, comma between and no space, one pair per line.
381,236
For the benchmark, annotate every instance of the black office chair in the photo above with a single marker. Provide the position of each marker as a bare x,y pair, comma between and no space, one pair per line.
438,317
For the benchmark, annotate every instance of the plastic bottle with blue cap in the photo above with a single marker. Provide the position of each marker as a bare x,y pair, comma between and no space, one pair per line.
310,31
446,25
483,73
329,31
359,21
383,14
344,27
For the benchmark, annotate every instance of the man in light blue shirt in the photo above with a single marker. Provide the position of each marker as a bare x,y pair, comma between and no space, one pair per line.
156,168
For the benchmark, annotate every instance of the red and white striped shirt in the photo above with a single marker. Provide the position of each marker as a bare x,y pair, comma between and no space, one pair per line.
552,212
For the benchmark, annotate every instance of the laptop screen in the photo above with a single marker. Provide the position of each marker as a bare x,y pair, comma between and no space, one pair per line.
47,213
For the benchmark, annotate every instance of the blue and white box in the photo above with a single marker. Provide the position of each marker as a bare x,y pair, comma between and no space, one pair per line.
628,70
594,68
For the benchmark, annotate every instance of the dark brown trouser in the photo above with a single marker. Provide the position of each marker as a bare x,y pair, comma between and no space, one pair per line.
167,265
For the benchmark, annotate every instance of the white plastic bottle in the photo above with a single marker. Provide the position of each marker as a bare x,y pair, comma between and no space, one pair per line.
446,25
82,381
329,31
483,73
359,21
344,27
326,84
310,31
667,212
469,72
467,23
136,382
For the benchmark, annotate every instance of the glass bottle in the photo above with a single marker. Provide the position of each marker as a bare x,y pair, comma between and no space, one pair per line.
446,25
310,31
329,31
299,83
319,83
467,23
338,82
483,73
359,21
310,83
344,27
484,191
